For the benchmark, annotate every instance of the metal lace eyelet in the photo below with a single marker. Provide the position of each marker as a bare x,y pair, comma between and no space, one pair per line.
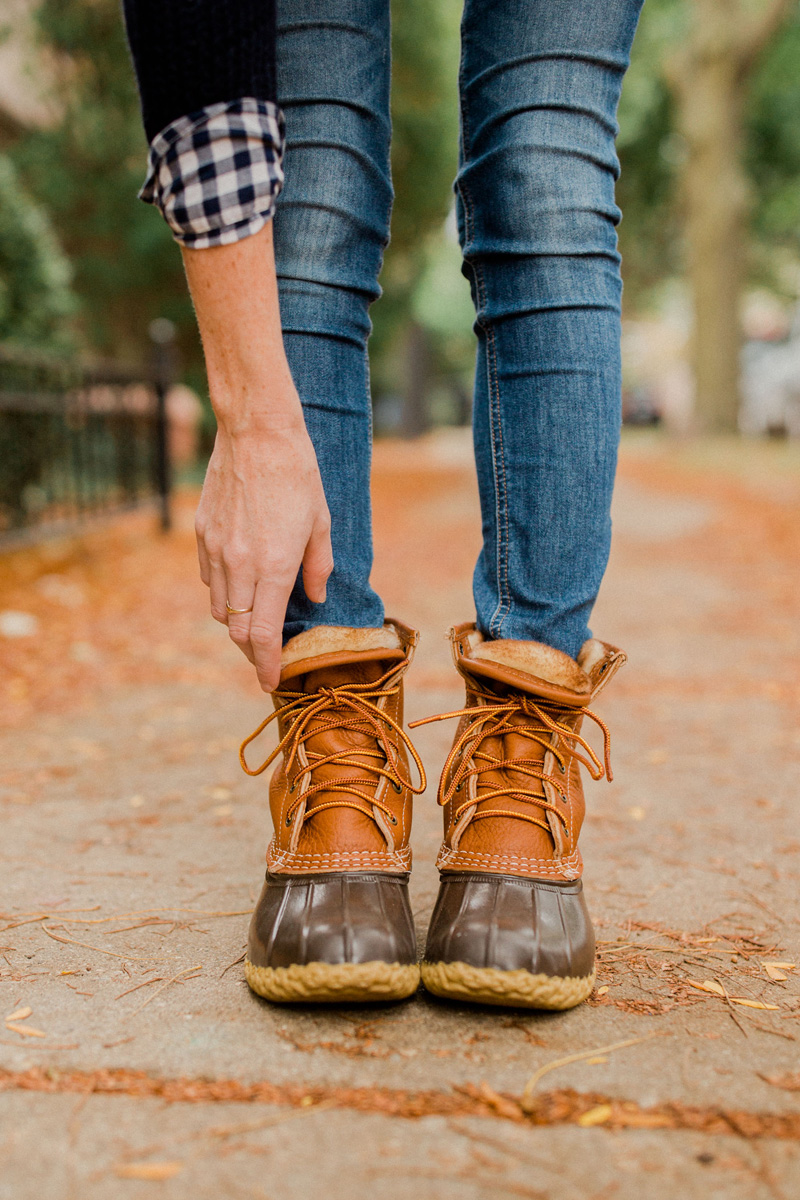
562,768
393,820
398,787
289,821
291,787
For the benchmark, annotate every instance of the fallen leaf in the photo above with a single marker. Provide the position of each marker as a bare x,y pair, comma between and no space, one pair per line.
595,1116
775,974
144,1170
20,1014
25,1030
716,989
781,966
709,985
790,1083
646,1120
602,991
219,793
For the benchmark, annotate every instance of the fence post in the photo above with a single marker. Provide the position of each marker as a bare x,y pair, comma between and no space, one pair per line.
162,335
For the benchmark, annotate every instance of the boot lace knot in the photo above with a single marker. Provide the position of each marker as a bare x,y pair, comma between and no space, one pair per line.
545,724
351,709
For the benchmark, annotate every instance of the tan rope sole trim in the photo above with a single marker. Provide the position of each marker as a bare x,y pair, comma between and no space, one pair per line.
338,982
513,989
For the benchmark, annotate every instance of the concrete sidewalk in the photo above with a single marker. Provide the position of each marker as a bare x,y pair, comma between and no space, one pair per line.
133,845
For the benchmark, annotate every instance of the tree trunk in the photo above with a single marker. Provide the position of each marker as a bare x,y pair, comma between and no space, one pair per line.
708,77
715,195
416,418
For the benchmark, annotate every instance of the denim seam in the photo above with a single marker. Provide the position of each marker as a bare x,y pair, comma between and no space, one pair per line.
504,603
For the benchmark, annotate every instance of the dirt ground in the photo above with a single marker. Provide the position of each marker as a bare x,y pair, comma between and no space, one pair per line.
134,1061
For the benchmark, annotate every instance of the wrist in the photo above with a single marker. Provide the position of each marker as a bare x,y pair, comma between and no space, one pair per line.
256,404
260,421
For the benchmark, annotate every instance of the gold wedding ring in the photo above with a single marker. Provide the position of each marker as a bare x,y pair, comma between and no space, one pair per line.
238,611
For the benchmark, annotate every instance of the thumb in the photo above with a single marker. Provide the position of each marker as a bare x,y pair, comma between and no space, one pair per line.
317,563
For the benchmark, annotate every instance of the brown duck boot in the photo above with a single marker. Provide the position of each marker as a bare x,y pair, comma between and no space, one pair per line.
333,921
510,924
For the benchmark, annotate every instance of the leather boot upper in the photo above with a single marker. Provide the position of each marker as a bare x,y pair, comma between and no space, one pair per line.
511,789
341,793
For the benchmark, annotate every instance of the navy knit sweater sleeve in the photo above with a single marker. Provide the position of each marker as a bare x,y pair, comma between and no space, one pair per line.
190,54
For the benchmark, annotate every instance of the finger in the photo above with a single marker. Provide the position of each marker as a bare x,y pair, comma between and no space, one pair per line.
219,593
318,563
266,629
240,594
203,559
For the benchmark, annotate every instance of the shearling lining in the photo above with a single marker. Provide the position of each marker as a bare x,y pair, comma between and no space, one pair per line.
334,639
535,658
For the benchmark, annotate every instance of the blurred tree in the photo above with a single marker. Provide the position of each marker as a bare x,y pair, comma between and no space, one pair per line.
35,275
649,153
84,172
86,169
772,161
708,74
710,151
424,159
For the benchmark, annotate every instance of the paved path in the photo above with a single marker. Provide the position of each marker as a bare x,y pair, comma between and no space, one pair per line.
133,846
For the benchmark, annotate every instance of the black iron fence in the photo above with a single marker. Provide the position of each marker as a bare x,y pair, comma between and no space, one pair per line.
78,441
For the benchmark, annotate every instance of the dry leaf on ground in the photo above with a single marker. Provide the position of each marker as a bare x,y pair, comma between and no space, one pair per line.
20,1014
25,1030
595,1116
709,985
716,989
789,1083
151,1171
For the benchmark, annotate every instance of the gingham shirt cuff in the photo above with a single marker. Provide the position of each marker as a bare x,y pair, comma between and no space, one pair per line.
217,173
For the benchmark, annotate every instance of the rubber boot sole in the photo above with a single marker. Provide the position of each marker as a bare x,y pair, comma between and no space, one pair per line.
319,982
510,989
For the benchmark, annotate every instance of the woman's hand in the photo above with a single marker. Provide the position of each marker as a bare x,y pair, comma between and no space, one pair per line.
262,513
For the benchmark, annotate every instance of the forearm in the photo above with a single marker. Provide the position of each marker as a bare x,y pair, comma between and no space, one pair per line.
235,294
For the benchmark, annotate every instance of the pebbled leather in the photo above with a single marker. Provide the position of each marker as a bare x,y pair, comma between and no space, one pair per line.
511,924
342,917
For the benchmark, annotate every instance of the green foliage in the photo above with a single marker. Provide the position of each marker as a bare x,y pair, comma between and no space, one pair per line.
35,293
651,153
79,178
773,148
424,160
87,169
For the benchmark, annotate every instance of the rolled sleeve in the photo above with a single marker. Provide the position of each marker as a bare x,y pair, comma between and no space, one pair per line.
216,174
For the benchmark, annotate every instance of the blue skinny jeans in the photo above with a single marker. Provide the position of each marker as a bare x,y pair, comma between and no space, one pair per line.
539,83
